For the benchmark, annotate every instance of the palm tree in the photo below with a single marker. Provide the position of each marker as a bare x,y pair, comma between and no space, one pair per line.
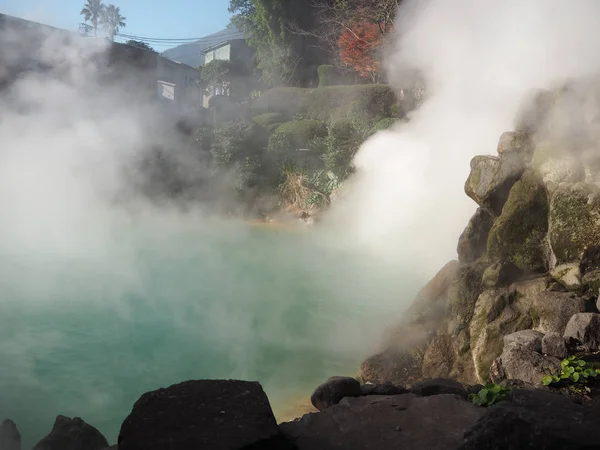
92,11
112,20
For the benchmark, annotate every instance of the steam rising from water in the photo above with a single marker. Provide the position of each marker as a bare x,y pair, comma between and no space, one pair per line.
479,59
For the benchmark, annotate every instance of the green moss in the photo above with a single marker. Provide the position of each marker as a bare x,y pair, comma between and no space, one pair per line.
518,235
464,291
384,124
574,221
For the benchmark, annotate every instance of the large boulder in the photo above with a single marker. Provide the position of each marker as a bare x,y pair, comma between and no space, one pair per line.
490,181
518,236
463,293
554,344
439,357
557,164
473,240
72,434
568,275
529,339
551,311
583,331
574,221
215,414
535,419
10,438
386,423
438,386
333,390
518,362
395,365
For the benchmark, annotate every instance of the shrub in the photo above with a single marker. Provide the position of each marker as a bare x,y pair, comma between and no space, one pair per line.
296,192
490,394
341,143
292,142
235,141
384,124
329,76
288,101
268,120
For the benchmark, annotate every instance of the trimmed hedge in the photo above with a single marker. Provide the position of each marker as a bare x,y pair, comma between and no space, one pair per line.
364,102
270,121
290,137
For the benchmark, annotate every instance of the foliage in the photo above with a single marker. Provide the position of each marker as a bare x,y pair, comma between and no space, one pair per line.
295,190
270,121
295,135
216,77
339,146
92,12
384,124
360,102
490,394
329,75
575,374
235,141
359,44
325,181
140,44
112,20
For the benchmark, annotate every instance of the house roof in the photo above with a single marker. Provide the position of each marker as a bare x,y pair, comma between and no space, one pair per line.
192,54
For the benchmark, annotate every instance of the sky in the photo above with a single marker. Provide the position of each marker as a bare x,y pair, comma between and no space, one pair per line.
173,19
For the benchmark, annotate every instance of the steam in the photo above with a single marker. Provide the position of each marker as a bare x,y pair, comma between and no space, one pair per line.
479,60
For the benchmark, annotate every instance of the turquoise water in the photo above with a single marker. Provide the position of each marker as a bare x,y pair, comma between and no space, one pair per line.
85,333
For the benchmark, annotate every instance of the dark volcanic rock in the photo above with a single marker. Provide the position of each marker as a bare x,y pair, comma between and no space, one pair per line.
386,423
535,420
438,386
72,434
204,414
10,438
553,344
473,240
382,389
333,390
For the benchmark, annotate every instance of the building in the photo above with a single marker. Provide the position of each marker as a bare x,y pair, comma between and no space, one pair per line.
174,84
238,87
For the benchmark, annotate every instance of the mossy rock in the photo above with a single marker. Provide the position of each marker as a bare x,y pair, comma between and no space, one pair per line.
490,181
557,164
574,221
519,235
473,240
463,293
568,275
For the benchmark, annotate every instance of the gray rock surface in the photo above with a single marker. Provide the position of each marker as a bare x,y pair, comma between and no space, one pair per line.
519,363
10,438
530,339
473,240
438,386
72,434
583,331
203,414
333,390
382,389
386,423
553,344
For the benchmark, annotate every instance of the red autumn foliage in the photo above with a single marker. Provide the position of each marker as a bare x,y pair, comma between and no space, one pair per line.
358,48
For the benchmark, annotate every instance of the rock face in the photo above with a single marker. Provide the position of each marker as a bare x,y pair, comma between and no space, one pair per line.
382,423
331,392
574,221
10,438
536,420
568,275
215,414
72,434
554,344
583,331
528,339
382,389
519,235
438,386
473,240
490,181
518,362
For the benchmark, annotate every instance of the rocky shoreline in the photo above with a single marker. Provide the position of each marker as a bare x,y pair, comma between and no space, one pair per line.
500,350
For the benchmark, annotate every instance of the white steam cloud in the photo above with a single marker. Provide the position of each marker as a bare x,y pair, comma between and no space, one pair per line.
479,60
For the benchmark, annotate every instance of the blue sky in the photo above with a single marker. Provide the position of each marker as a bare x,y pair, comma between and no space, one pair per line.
164,19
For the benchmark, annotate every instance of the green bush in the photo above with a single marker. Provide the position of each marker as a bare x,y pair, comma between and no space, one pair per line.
340,144
384,124
269,120
288,101
236,141
329,76
288,140
490,394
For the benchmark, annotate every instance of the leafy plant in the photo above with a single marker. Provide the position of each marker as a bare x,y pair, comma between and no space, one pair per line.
575,373
490,394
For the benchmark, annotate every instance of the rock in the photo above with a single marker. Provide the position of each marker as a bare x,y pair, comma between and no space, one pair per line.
557,165
521,363
386,423
534,419
553,344
551,311
490,181
474,389
215,414
439,357
397,366
590,261
464,291
568,275
518,236
519,384
500,274
382,389
529,339
473,240
497,373
591,282
583,331
333,390
438,386
72,434
514,142
10,438
574,221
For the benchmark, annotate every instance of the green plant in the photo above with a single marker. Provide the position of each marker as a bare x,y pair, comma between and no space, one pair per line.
575,374
329,75
384,124
490,394
268,119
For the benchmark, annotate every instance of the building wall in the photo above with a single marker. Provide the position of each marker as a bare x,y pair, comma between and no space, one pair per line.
221,53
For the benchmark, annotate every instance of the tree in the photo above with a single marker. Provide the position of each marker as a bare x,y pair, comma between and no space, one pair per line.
93,11
216,77
140,44
358,45
112,20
